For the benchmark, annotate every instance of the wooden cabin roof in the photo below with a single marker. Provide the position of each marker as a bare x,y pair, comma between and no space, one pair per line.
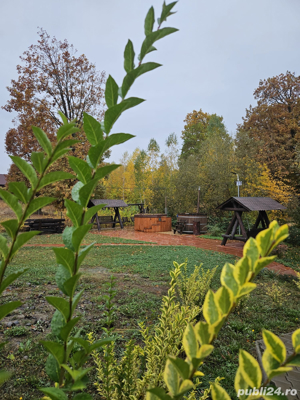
251,204
109,203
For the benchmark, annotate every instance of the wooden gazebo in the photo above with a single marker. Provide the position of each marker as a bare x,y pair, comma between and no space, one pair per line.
246,204
104,220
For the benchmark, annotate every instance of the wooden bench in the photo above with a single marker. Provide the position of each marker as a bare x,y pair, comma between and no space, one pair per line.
106,219
45,225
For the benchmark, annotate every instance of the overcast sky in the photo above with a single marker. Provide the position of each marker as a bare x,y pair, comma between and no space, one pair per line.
215,61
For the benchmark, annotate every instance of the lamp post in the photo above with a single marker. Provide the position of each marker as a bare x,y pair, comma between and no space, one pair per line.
198,202
238,184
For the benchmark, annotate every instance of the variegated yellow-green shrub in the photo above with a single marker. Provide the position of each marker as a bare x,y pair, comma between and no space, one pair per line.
236,282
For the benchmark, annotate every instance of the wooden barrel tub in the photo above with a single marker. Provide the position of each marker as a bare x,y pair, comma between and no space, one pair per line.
189,219
152,223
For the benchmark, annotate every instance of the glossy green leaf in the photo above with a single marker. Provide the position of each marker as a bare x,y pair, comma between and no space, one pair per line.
79,234
219,393
224,297
241,270
66,330
264,240
83,253
128,61
37,159
61,276
66,130
135,73
111,93
166,11
83,396
63,117
54,393
240,385
182,367
11,226
76,299
67,237
92,129
91,212
228,280
274,345
189,342
82,342
250,369
295,362
8,308
65,257
12,202
74,210
205,351
246,289
71,283
113,113
26,169
203,332
52,368
55,176
86,191
20,190
262,263
57,323
151,38
43,140
153,394
76,374
60,304
11,278
66,145
4,250
149,21
269,362
58,154
22,239
82,169
38,203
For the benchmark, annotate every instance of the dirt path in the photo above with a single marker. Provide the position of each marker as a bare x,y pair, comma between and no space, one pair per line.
169,239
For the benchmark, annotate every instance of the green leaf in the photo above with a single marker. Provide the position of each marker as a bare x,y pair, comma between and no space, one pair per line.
205,351
66,130
152,37
113,113
12,202
241,270
246,289
111,93
92,129
86,191
83,396
26,169
52,368
228,279
296,340
22,239
152,394
66,330
75,190
3,246
263,240
182,367
60,304
74,210
135,73
273,396
8,308
70,284
91,212
203,332
79,234
250,369
171,378
189,342
57,323
166,11
4,376
37,159
54,393
38,203
269,362
11,278
67,237
20,190
83,253
149,21
43,140
224,298
262,263
128,62
65,257
55,176
58,154
274,345
61,276
251,251
63,117
185,387
76,374
11,226
83,343
82,169
211,310
218,393
76,300
295,361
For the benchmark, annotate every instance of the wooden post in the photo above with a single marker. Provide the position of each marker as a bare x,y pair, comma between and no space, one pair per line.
229,229
198,202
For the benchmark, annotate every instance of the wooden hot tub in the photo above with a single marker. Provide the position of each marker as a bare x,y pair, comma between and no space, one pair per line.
152,223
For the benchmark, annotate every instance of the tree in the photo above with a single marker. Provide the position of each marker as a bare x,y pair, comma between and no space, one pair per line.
51,78
275,125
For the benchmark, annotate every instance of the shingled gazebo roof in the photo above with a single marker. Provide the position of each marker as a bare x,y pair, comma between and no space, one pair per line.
251,204
109,203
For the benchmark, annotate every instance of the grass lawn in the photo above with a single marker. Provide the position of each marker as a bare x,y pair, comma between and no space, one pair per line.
142,276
